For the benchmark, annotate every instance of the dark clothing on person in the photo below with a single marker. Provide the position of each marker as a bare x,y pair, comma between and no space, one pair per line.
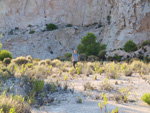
74,63
75,59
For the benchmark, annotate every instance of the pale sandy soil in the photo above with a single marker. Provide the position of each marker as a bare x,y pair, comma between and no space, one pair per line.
66,102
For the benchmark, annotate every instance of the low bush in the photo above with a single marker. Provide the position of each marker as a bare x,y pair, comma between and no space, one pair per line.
38,85
5,54
29,25
52,87
106,85
42,62
112,69
128,71
102,51
130,46
12,67
29,65
87,71
29,58
109,19
48,61
83,57
117,58
7,61
102,54
92,58
31,97
140,67
123,95
31,32
145,43
56,63
36,59
67,64
69,25
40,72
21,60
88,86
13,104
147,59
68,55
51,27
146,98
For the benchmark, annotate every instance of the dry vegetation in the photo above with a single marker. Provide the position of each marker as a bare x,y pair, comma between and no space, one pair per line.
61,74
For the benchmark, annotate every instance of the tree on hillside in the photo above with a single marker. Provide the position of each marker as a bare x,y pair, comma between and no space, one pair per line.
130,46
88,45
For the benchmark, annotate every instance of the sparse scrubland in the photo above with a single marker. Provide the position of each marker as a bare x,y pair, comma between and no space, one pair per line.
41,80
27,84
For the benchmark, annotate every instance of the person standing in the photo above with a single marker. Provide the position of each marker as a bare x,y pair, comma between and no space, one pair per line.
75,58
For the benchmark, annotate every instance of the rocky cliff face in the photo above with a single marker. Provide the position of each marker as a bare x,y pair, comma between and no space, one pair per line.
21,13
121,21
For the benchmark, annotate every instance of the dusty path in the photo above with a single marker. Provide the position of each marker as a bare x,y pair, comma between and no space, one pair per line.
66,103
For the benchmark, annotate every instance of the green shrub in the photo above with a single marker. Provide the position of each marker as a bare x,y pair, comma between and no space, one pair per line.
100,25
117,57
145,43
68,55
123,95
102,54
88,45
52,87
31,32
130,46
103,47
31,98
69,25
51,27
102,51
11,32
109,19
83,57
5,54
16,28
7,61
146,98
38,85
147,59
29,25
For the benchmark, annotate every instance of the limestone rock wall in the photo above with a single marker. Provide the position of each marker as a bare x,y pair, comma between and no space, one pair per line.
121,20
130,20
21,13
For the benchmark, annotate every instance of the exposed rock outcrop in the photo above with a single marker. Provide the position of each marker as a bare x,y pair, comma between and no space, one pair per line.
121,20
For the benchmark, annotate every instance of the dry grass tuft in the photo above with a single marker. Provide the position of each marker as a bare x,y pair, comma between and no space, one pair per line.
13,103
56,63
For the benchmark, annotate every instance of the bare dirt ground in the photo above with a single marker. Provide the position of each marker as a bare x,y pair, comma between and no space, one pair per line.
66,102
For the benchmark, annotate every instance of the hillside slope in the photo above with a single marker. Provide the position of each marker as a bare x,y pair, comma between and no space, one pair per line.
121,20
